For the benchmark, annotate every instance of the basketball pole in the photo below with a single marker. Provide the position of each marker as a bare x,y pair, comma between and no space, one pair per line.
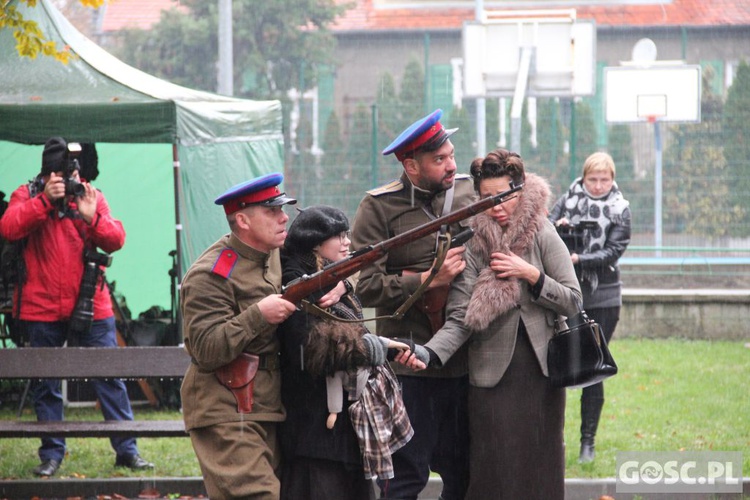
481,118
657,185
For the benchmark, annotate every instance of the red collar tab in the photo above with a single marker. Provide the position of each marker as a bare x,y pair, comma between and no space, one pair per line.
225,263
266,194
428,134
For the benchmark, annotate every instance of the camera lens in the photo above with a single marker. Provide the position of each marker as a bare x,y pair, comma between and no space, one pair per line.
74,187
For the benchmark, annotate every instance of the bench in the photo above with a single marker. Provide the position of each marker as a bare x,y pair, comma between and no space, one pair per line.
84,363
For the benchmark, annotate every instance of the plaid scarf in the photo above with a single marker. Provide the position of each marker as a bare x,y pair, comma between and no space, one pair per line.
380,422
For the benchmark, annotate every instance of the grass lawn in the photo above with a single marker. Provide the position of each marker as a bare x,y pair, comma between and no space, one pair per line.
669,395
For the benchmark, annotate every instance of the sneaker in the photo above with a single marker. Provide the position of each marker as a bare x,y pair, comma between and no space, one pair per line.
46,468
134,462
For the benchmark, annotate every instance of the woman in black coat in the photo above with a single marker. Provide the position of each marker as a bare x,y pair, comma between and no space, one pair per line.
321,453
594,219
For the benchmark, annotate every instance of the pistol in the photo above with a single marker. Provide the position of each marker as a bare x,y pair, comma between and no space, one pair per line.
462,237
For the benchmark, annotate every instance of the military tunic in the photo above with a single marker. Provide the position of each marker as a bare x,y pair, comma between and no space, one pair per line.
386,212
221,319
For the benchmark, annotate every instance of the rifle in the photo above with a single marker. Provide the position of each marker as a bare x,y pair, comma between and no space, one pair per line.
334,272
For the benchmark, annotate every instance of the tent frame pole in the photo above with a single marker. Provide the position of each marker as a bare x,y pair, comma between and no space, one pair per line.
178,237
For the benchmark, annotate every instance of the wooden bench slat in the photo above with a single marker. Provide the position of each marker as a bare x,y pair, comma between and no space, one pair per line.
93,362
106,429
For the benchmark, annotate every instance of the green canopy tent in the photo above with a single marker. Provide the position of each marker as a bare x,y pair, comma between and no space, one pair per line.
156,141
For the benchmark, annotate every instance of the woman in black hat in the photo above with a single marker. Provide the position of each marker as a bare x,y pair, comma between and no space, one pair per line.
325,364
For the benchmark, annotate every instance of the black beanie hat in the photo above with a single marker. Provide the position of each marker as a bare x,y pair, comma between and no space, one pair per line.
313,226
54,156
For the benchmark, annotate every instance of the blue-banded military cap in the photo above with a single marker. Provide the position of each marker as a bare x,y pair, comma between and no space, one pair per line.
425,134
262,191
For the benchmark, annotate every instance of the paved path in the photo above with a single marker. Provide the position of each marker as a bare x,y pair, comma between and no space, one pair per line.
575,489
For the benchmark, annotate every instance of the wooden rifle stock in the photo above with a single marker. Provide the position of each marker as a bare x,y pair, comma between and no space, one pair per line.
334,272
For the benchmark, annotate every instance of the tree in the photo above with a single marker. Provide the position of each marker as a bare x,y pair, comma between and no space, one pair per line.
621,149
550,144
583,141
177,49
696,184
277,45
463,140
359,148
389,105
635,190
30,40
736,130
491,123
549,133
333,146
412,94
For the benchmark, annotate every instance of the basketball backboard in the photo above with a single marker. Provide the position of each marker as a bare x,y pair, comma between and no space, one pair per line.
562,62
669,92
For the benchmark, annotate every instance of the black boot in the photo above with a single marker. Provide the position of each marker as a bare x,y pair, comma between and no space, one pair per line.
591,410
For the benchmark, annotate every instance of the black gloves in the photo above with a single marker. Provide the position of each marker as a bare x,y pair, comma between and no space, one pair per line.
422,353
377,351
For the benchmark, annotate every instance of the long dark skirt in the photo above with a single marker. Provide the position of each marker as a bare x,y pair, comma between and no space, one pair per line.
516,429
318,479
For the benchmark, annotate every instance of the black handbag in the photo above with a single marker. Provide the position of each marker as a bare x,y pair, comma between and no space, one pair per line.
577,355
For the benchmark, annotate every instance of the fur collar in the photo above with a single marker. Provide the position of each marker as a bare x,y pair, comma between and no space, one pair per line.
492,297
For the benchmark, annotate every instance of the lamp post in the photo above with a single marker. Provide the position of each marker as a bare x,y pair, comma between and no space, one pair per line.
226,52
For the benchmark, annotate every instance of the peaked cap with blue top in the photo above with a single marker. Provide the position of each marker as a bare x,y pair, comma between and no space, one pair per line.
425,134
263,190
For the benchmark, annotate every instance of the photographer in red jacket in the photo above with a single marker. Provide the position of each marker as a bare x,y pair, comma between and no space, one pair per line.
60,220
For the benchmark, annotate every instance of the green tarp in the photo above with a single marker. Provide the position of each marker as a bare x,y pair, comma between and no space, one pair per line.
218,141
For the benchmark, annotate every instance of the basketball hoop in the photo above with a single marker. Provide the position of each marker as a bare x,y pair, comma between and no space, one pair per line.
655,94
563,54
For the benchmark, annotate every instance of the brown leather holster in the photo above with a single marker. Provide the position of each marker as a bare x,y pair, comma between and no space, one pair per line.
239,377
432,304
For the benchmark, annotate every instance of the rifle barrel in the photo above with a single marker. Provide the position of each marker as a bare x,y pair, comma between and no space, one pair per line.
300,288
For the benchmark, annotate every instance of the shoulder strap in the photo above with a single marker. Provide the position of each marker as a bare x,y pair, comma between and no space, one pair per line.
224,264
391,187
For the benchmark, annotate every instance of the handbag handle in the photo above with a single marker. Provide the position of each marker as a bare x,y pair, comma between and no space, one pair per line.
570,322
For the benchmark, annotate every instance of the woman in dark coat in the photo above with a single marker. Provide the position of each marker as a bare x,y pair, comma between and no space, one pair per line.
321,453
594,219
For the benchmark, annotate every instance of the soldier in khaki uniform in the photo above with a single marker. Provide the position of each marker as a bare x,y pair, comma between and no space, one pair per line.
231,304
435,399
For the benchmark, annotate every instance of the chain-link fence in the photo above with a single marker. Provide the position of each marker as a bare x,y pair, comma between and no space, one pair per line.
704,212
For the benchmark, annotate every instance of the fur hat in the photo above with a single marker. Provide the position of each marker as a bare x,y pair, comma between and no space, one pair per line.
54,156
313,226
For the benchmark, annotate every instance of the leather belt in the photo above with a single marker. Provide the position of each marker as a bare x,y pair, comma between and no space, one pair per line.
269,362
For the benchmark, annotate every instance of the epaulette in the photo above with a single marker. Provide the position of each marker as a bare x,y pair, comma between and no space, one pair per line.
392,187
225,263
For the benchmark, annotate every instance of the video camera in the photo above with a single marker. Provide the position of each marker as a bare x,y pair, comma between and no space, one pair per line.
573,235
83,314
72,186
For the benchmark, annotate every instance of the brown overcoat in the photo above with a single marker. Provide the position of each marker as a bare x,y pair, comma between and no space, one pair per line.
386,212
221,319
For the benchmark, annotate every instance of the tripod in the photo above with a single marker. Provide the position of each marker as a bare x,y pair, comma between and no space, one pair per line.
175,317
